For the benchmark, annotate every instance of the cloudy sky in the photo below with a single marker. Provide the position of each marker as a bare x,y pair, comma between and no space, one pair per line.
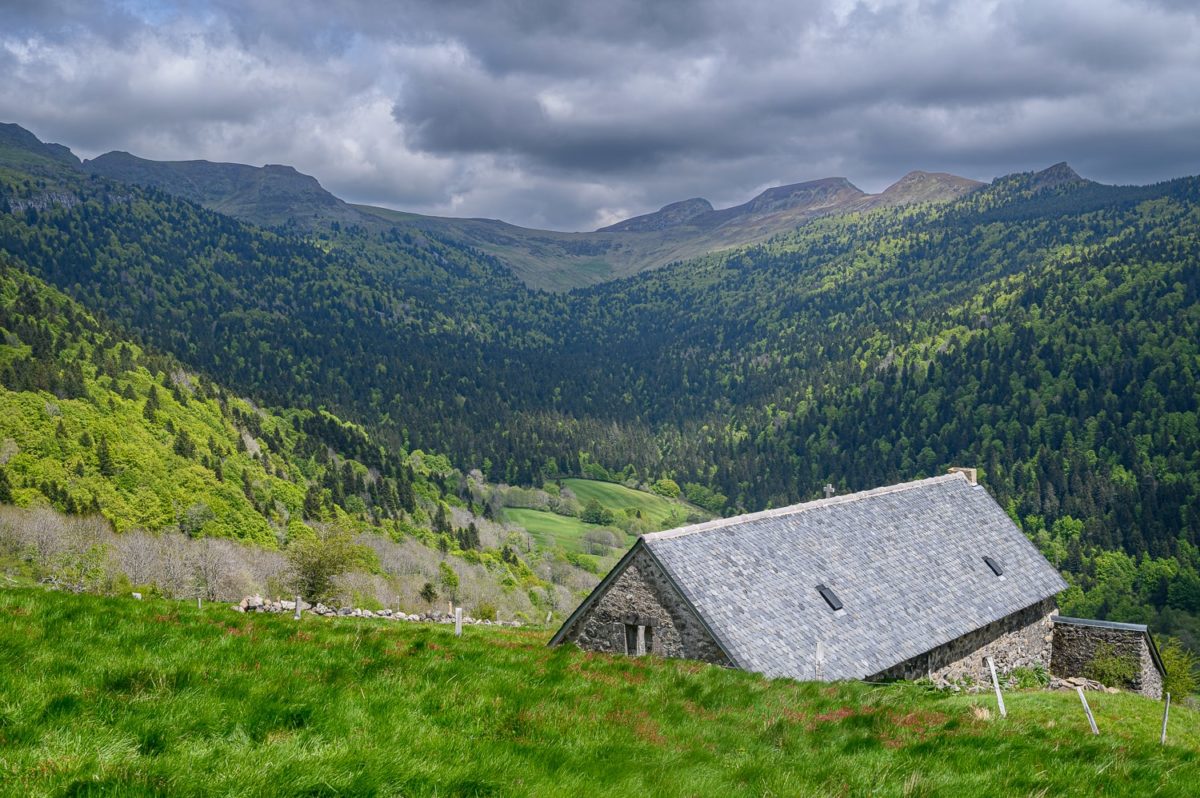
570,114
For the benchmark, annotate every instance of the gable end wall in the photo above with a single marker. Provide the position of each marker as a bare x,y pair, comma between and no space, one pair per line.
642,594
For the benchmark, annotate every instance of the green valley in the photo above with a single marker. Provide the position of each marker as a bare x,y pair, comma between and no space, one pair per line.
1042,328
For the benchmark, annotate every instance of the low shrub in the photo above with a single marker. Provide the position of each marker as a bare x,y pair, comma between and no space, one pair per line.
1110,668
1034,678
1180,665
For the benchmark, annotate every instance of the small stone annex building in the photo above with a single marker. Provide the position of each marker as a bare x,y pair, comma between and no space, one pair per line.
922,579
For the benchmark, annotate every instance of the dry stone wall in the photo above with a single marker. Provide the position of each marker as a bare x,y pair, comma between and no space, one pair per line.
1023,639
259,604
1076,644
643,595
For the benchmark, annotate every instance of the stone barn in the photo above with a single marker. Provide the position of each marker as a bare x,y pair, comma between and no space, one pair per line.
923,579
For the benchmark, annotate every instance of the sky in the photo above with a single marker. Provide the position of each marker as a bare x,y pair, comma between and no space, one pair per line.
572,114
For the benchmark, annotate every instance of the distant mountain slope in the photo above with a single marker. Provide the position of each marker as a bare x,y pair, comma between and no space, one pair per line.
270,195
679,231
676,213
275,196
755,373
26,151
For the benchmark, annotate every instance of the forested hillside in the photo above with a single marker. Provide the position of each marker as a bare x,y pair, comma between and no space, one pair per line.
94,425
1043,328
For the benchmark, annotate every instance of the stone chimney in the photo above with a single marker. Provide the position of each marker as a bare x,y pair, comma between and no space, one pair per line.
972,473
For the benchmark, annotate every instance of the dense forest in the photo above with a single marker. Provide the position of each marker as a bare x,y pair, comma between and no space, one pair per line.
94,425
1043,329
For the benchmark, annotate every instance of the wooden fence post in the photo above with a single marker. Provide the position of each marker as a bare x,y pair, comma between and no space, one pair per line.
458,621
1088,710
996,684
1162,740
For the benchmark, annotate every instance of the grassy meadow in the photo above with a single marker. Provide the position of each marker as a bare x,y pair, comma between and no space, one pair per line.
661,512
551,529
102,696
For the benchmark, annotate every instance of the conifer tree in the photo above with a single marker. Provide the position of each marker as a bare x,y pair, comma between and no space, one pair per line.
104,460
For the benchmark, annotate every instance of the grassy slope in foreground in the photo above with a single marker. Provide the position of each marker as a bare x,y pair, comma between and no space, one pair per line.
115,696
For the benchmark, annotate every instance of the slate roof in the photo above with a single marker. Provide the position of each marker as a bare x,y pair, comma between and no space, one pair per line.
906,561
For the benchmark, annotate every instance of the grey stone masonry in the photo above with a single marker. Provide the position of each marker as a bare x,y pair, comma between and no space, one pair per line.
642,595
1020,640
1076,641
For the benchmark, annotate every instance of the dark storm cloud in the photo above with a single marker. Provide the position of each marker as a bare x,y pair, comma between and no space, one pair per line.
573,113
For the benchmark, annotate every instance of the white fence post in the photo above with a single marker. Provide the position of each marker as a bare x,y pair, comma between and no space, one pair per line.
996,684
1162,740
296,615
1088,710
458,621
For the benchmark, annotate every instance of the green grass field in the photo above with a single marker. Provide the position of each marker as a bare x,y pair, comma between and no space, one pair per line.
116,697
551,529
661,512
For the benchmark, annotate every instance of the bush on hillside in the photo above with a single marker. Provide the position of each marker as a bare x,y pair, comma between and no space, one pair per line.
318,560
599,541
1180,665
1110,668
666,487
596,513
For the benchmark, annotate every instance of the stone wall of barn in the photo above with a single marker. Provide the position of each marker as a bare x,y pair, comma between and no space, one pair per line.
642,595
1023,639
1076,644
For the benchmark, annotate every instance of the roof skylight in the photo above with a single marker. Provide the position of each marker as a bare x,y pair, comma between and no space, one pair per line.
830,597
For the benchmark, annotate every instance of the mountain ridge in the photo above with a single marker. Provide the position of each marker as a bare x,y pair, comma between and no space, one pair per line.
271,195
279,195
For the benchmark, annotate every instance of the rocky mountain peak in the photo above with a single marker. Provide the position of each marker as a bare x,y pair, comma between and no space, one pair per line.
17,137
676,213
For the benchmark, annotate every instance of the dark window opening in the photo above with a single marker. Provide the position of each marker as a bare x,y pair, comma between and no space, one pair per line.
995,566
632,645
830,597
